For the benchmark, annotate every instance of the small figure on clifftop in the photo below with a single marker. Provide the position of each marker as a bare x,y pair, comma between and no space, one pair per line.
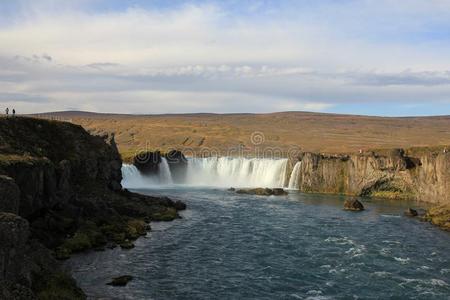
7,111
14,112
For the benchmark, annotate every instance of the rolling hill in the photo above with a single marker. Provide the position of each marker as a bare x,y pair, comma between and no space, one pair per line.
222,133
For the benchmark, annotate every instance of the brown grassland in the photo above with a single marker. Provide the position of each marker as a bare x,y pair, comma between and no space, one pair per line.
330,133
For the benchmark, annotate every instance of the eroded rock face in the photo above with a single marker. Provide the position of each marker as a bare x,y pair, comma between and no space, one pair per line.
9,195
65,185
396,174
14,233
439,216
147,162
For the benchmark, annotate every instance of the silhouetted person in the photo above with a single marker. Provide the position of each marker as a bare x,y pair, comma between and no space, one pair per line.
14,112
7,111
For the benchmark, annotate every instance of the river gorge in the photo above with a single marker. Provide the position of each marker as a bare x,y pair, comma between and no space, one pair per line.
298,246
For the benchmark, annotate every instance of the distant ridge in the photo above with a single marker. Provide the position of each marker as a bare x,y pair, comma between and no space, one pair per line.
78,113
317,132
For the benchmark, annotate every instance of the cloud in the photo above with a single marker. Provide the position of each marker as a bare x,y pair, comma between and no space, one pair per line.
209,57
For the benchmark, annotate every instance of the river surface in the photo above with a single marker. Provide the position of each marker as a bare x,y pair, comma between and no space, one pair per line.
300,246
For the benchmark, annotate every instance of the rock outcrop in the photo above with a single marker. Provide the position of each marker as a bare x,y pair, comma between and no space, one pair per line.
60,193
262,191
439,216
420,174
353,204
149,162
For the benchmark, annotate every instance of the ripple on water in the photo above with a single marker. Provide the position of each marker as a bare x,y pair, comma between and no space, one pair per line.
402,260
259,248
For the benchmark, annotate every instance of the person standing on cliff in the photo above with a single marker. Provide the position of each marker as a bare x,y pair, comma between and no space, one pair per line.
7,111
14,112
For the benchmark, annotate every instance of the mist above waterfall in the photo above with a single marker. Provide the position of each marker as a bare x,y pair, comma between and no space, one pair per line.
215,172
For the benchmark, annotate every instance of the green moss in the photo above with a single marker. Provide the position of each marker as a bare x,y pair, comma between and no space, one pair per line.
88,236
126,245
79,242
59,286
62,253
168,215
136,228
114,231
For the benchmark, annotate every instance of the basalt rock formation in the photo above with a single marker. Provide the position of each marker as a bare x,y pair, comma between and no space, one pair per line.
60,193
418,174
148,163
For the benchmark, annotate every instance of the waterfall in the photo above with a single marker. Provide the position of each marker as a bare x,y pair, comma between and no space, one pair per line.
215,172
236,172
134,179
164,172
293,180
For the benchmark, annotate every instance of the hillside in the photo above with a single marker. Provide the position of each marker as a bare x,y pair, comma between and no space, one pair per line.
61,193
314,132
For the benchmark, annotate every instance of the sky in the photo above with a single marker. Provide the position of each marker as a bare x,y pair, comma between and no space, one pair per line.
371,57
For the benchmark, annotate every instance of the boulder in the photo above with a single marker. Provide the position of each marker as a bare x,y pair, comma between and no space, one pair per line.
353,205
178,205
9,195
121,280
410,212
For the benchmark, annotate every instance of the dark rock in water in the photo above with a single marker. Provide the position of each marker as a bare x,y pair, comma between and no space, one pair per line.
353,205
231,189
111,245
127,245
263,191
279,192
410,212
121,280
178,205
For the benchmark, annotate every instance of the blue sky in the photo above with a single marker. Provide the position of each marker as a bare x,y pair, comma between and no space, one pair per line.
383,57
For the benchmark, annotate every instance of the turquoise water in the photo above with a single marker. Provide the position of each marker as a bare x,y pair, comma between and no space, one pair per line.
300,246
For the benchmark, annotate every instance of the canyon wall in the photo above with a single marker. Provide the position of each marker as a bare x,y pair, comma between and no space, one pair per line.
61,193
419,174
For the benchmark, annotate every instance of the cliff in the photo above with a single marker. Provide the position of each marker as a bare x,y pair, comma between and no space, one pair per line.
60,193
419,174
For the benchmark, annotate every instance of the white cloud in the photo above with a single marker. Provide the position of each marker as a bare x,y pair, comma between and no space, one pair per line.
202,58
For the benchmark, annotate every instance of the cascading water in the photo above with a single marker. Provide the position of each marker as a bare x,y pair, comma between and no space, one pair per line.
133,178
236,172
164,175
293,180
216,172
